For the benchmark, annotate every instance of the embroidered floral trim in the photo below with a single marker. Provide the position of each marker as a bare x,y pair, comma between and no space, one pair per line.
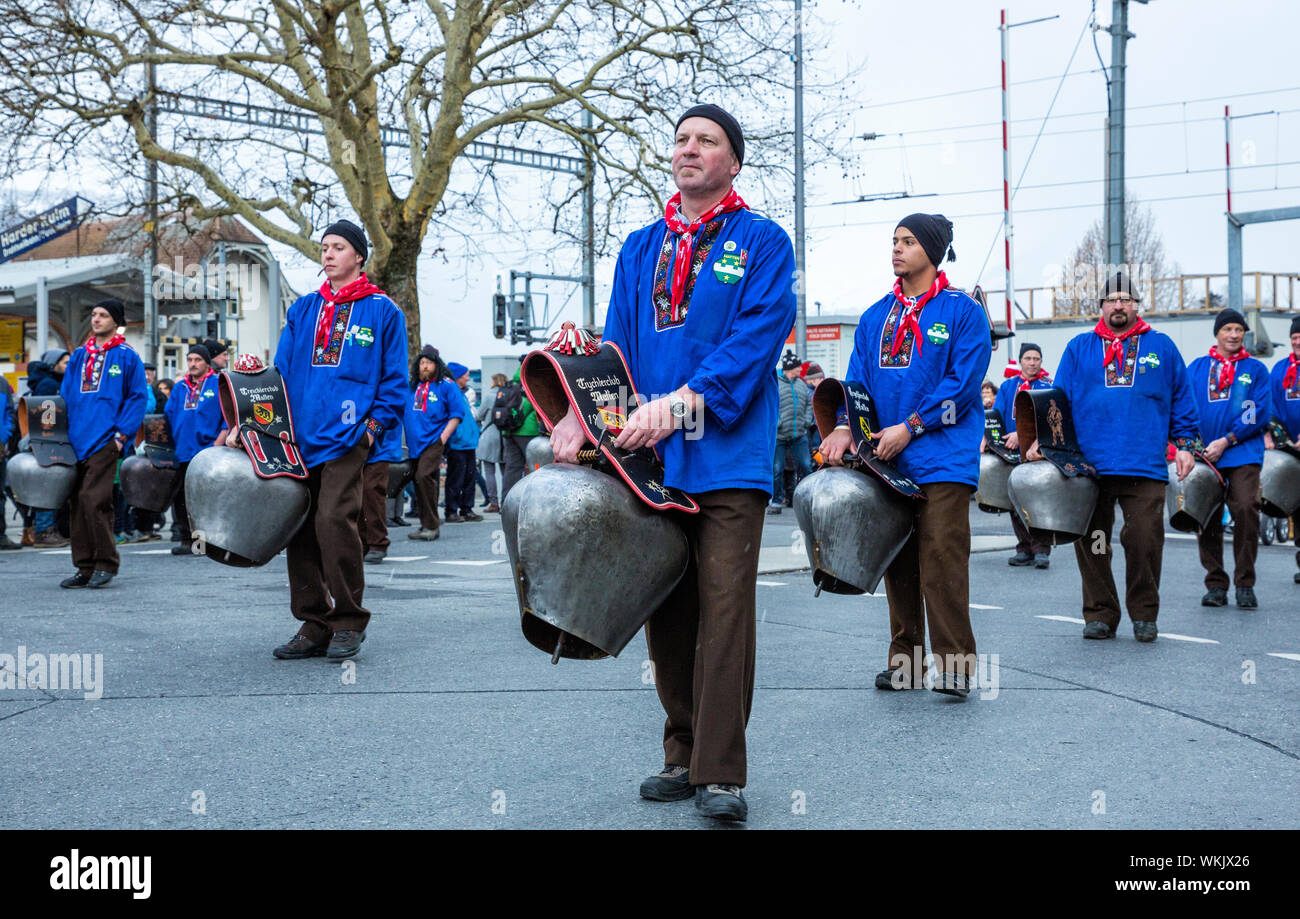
373,426
1190,444
1113,378
904,356
661,296
913,422
1212,389
326,352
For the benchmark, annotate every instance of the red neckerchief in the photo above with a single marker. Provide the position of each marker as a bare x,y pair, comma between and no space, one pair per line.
422,395
908,320
1115,350
95,354
359,288
1229,369
685,245
1288,378
1026,381
195,387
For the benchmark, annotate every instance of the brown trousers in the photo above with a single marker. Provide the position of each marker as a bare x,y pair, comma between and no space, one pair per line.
930,580
374,507
702,638
93,545
1243,502
326,577
1024,541
1143,538
427,472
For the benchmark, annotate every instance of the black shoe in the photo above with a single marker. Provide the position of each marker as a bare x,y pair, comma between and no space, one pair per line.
1098,629
183,549
6,543
1020,559
298,647
1145,631
398,521
471,517
673,784
99,579
885,679
80,579
345,643
1246,598
374,556
1215,596
453,518
774,508
721,802
952,684
1042,561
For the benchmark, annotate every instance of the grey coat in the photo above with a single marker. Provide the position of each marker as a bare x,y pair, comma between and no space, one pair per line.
796,408
489,442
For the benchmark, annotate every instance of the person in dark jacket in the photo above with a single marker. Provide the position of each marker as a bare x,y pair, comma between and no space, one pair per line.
793,418
43,379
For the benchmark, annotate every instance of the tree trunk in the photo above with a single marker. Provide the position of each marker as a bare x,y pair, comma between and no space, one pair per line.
397,278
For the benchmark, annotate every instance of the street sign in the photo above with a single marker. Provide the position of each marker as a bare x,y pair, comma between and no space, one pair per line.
32,232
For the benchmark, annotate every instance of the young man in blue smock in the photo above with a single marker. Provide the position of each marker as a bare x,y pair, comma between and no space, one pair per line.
1030,375
1232,392
1285,379
343,358
194,415
103,388
702,302
1127,388
434,409
921,352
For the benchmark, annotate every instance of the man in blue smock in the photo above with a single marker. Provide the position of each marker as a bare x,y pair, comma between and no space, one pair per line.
702,302
103,388
1127,388
1285,403
921,352
343,358
1031,375
434,410
194,415
1231,389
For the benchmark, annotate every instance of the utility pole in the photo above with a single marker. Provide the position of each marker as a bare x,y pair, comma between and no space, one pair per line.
151,252
1119,36
801,304
588,229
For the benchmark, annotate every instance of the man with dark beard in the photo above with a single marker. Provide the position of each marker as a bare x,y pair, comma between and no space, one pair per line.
434,409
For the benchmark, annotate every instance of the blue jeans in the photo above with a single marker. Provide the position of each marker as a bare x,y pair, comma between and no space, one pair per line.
802,464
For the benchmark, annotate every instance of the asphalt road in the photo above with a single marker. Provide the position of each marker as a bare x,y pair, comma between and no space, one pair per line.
449,718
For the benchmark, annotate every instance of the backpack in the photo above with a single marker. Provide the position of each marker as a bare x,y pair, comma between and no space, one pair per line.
507,410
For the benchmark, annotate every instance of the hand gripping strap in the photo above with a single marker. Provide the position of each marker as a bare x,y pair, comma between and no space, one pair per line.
600,390
257,404
831,396
43,420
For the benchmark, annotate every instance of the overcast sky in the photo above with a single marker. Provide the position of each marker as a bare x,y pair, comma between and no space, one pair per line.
1189,59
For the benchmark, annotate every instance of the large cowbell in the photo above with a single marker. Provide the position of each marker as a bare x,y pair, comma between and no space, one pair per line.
992,495
42,487
1194,501
591,561
150,481
238,518
245,505
538,453
1279,483
45,477
1055,498
854,520
853,527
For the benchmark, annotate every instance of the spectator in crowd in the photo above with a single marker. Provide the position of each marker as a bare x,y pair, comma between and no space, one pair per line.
490,442
988,393
519,424
792,428
44,377
219,353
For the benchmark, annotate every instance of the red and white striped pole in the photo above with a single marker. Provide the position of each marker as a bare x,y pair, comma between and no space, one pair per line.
1227,155
1012,364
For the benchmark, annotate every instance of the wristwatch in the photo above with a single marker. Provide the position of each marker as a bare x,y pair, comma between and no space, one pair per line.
677,405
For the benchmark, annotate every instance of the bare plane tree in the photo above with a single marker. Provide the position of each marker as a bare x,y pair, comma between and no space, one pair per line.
388,97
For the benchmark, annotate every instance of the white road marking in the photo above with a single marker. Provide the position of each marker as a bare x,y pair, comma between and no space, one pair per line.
1176,637
151,552
495,561
770,583
982,606
67,551
1286,656
405,558
1062,619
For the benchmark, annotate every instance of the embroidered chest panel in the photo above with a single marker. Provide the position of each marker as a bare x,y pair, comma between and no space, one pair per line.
1125,377
661,294
1293,392
328,346
1212,389
904,356
96,374
194,396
